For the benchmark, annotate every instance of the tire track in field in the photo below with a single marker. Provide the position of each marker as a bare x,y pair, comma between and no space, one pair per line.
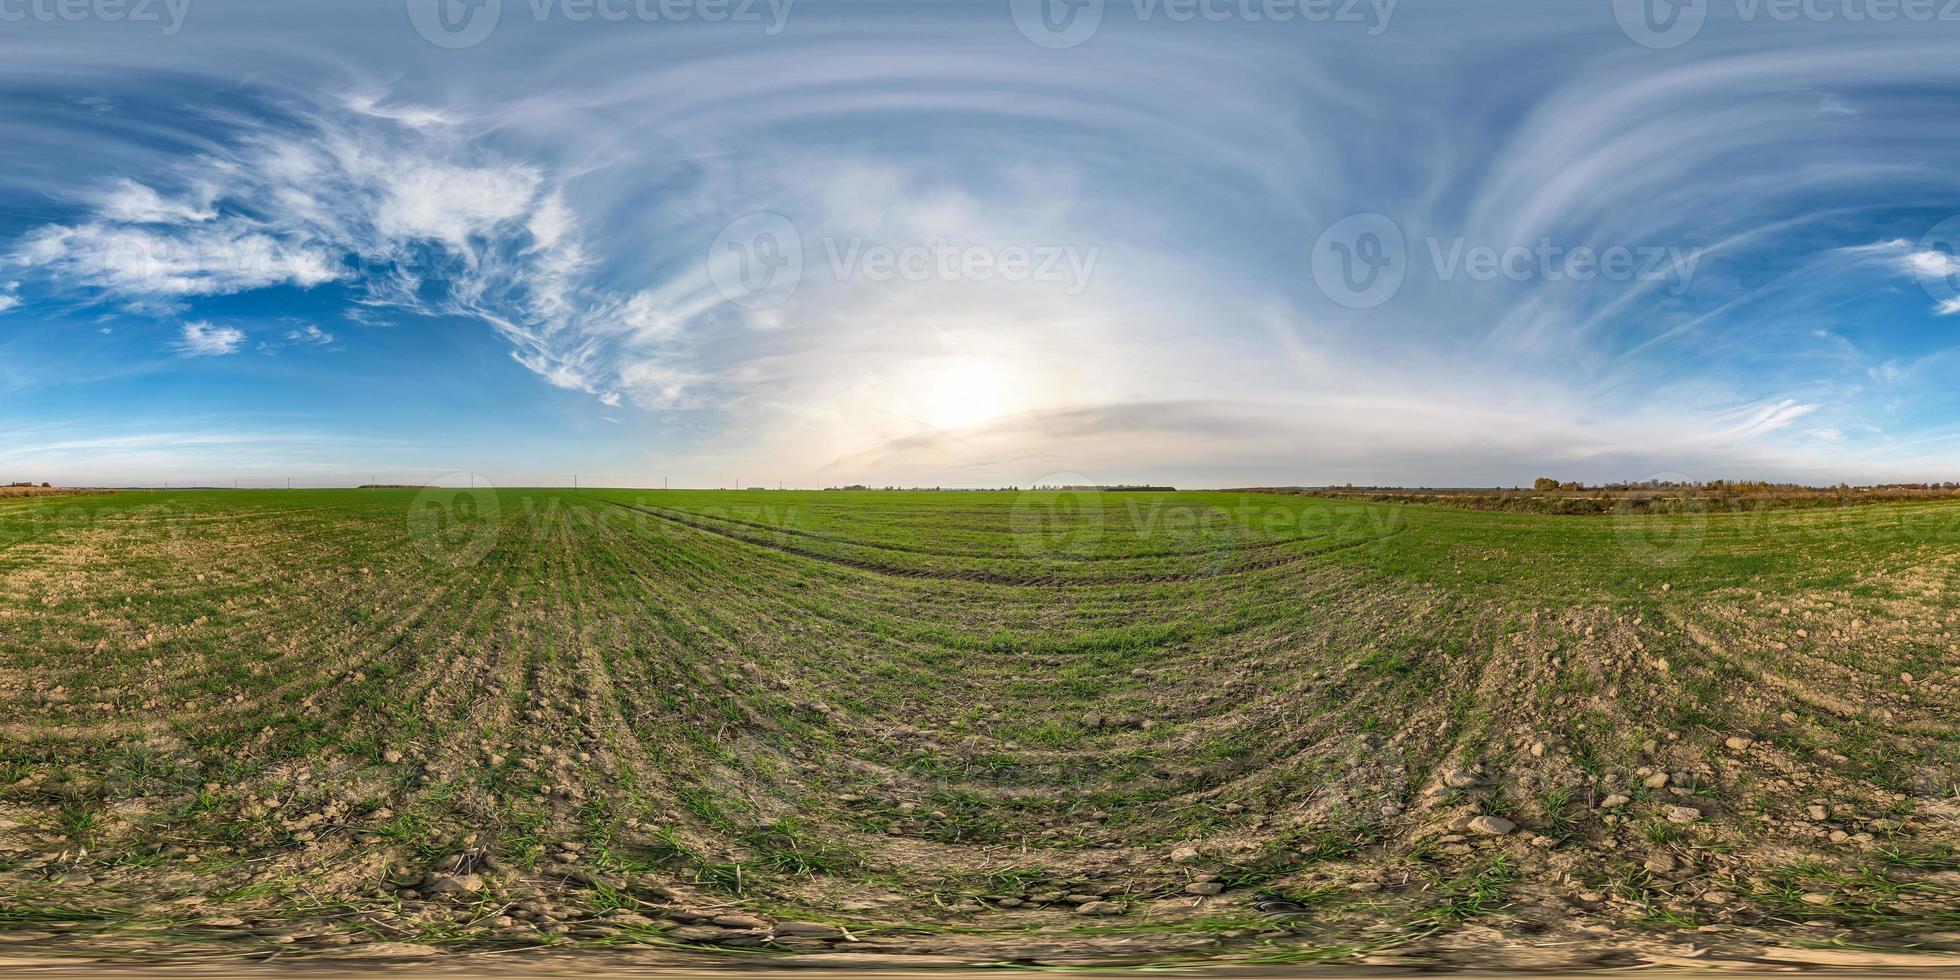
1234,548
999,578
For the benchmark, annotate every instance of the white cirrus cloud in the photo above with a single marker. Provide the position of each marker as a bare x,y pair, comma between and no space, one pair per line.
201,339
309,334
142,263
131,202
401,210
1931,263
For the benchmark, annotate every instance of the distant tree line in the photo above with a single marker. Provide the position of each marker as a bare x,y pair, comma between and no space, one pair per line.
1546,484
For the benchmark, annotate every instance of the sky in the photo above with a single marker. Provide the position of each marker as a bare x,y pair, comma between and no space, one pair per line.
1208,243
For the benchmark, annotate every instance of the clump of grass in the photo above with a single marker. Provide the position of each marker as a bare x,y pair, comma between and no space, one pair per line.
787,847
1472,894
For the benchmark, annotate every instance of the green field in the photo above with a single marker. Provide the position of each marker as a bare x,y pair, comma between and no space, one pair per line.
970,724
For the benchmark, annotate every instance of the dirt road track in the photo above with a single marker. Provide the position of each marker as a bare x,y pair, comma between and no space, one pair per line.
1834,963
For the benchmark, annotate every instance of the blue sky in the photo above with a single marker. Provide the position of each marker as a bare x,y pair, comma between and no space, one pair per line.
1231,243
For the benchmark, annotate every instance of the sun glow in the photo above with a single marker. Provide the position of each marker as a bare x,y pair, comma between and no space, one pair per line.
964,392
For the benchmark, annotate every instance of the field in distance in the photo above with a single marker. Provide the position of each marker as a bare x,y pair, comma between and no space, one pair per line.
1054,727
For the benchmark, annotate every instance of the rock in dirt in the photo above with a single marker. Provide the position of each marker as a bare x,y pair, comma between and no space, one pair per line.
814,930
447,884
383,951
1682,814
1203,888
1098,908
1492,826
864,961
